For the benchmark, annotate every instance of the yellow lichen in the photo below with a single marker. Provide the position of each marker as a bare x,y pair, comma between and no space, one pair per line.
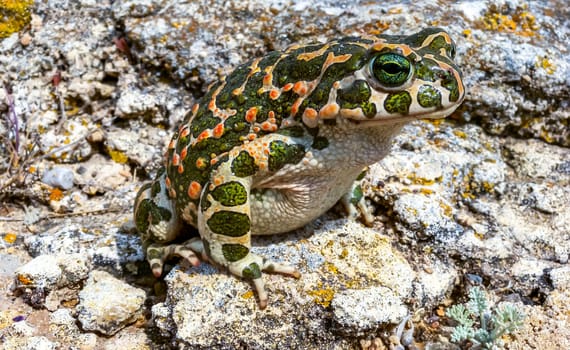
547,65
331,267
460,134
519,21
14,15
247,295
10,237
117,156
322,296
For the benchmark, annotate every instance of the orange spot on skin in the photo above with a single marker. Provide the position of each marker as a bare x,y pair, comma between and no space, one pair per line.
271,115
295,106
300,88
183,153
212,104
310,117
167,182
201,163
204,135
172,193
172,144
287,87
262,166
175,159
256,129
250,115
274,94
266,126
218,180
218,130
185,132
195,108
329,111
310,113
336,84
267,79
251,137
213,161
180,169
194,190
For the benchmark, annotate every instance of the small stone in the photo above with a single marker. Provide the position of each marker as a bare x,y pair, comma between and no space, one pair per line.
60,177
26,39
107,304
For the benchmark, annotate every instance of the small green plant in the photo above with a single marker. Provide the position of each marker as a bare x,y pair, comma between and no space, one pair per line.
481,325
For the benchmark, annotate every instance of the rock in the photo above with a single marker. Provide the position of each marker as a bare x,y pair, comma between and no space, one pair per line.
560,278
59,177
107,305
360,311
64,327
45,273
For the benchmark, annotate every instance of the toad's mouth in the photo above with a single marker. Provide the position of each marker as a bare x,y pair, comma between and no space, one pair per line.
396,119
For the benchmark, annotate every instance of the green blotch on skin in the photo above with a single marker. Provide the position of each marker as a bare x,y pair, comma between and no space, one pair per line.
281,153
294,131
320,143
428,96
230,194
450,83
252,271
398,102
244,165
229,223
357,96
157,214
155,188
356,195
234,252
153,253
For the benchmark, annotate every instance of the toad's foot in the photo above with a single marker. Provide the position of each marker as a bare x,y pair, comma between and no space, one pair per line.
157,254
355,204
252,266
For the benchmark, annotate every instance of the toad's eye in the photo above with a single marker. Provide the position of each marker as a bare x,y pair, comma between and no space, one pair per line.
391,69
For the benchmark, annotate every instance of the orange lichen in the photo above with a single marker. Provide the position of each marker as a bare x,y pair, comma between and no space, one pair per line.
14,16
55,194
10,237
519,21
248,295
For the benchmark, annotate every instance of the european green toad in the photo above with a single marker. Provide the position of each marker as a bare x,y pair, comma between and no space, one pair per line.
282,138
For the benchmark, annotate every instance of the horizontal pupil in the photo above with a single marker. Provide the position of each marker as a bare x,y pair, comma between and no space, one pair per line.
392,68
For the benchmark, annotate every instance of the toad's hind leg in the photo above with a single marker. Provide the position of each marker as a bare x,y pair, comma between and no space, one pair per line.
224,222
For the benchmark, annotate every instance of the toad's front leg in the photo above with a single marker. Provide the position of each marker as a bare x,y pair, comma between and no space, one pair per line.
224,222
